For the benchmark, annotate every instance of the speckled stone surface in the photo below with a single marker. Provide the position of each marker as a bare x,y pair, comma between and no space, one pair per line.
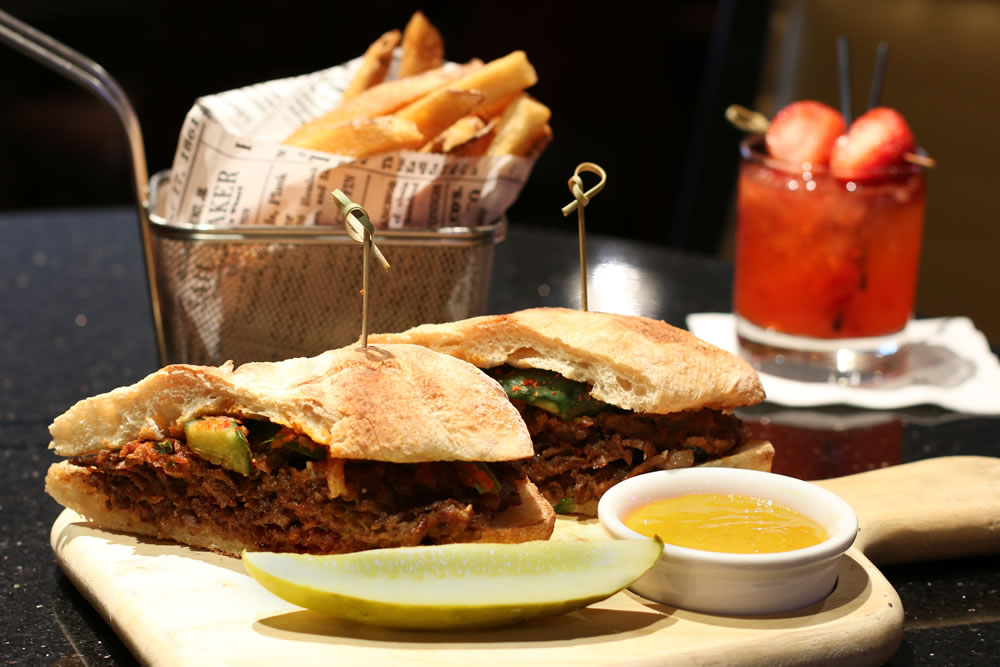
75,321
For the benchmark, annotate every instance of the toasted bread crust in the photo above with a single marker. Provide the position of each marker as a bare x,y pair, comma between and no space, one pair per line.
395,403
751,455
533,519
635,363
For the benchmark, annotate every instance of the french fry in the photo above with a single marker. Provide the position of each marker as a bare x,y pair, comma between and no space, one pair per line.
423,47
500,78
466,110
539,143
379,100
370,136
490,111
493,82
461,131
520,125
374,64
433,113
477,146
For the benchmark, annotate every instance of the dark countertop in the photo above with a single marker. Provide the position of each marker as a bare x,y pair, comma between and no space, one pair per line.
75,322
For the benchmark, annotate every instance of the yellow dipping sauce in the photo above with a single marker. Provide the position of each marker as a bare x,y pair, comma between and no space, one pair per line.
727,523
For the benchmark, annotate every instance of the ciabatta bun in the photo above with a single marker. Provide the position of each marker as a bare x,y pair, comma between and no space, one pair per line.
636,363
394,403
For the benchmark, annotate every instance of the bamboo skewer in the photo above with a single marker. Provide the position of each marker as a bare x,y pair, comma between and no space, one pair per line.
359,227
581,199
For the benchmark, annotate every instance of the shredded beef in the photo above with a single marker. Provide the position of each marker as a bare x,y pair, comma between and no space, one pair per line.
288,507
581,458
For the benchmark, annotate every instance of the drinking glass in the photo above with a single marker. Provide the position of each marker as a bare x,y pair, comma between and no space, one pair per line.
826,267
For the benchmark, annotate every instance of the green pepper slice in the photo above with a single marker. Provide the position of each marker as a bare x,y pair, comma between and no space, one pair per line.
549,391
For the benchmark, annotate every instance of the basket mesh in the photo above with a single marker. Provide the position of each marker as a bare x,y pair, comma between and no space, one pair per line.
246,301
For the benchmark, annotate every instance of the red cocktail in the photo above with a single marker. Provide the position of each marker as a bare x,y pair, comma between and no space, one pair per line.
823,257
826,264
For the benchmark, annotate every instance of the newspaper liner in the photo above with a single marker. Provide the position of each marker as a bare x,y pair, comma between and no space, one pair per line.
230,167
266,301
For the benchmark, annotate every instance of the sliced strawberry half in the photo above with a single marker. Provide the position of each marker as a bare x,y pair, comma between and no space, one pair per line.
878,138
804,132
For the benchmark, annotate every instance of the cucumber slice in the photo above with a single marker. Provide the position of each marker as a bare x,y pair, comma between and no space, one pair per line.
220,440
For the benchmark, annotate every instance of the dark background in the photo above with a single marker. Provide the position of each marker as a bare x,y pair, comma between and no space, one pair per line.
637,87
640,88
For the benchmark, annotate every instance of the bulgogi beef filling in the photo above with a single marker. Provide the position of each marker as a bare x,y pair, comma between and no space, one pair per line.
285,503
576,460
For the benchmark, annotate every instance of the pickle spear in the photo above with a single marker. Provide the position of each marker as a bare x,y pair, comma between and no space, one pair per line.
455,586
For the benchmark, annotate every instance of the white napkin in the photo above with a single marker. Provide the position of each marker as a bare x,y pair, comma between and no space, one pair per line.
958,372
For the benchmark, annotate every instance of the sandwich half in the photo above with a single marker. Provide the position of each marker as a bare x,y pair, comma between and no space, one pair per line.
393,445
606,396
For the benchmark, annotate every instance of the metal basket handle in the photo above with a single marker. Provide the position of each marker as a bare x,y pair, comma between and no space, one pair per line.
84,71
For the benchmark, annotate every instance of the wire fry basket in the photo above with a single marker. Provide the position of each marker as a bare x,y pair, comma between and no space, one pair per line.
264,293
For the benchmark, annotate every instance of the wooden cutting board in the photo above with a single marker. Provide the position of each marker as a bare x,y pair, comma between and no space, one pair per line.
178,606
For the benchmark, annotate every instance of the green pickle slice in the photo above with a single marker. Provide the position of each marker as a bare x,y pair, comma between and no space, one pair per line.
220,440
455,586
549,391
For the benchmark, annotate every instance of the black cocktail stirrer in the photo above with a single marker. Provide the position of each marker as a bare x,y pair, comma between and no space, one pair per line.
844,70
847,111
878,75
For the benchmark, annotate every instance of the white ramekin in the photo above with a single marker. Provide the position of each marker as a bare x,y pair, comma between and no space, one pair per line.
733,583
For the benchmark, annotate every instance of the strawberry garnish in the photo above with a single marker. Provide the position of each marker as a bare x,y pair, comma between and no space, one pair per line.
804,132
878,138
